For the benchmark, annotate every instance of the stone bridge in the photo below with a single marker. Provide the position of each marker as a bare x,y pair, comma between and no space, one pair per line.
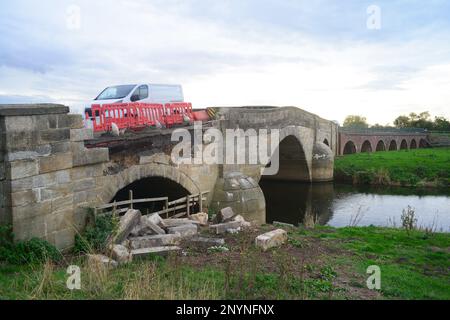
356,141
53,169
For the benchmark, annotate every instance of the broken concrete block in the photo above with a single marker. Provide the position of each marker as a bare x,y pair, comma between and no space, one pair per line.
243,222
225,215
121,254
99,259
271,239
185,230
127,223
158,240
201,218
144,252
223,227
208,241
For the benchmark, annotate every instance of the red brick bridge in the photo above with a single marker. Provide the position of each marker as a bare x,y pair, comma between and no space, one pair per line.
372,140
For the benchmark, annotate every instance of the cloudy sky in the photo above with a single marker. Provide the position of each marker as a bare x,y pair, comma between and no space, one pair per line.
318,55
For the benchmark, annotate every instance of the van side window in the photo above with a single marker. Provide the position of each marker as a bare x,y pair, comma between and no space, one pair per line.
141,92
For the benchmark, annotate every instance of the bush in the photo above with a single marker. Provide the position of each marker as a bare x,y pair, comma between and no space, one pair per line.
34,251
95,237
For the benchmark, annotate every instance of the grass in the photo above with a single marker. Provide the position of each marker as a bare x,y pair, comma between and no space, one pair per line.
428,167
316,263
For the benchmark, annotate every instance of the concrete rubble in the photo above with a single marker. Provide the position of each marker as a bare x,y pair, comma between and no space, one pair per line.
143,235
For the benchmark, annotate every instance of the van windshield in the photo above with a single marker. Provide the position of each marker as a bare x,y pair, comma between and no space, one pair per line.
116,92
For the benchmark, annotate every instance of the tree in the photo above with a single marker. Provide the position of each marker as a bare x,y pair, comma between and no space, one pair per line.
402,122
441,124
355,121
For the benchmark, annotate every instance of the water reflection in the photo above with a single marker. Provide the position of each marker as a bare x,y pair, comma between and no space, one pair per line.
337,205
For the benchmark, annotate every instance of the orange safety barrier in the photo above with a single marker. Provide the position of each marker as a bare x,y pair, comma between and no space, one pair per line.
135,115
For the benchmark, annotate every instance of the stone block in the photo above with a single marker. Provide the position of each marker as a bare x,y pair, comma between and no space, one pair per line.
223,227
19,123
185,230
201,218
23,198
155,241
55,162
271,239
53,135
169,223
22,169
90,156
84,184
61,147
127,224
32,153
208,241
60,220
101,260
31,211
243,222
72,121
121,254
81,134
155,228
162,251
226,214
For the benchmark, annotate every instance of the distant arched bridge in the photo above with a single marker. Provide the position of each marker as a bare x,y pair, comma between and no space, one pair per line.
372,140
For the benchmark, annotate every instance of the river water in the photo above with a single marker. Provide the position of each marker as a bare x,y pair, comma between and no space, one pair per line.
343,205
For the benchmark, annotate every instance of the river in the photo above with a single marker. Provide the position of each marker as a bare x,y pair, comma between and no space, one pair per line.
341,205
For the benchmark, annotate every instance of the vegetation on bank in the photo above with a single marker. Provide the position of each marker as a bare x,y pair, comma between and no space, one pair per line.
419,167
316,263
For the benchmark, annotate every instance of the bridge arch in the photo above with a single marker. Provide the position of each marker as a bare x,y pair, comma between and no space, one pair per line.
293,164
423,143
366,146
349,147
404,145
381,146
413,144
143,175
393,146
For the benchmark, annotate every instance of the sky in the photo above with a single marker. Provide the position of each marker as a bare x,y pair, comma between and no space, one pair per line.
378,59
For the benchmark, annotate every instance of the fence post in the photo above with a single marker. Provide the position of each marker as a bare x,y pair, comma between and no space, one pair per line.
167,208
188,203
200,202
131,199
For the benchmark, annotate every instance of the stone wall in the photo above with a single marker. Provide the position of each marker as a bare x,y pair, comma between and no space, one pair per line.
44,171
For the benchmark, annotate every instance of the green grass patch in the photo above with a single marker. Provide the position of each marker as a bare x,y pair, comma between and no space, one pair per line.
406,167
414,265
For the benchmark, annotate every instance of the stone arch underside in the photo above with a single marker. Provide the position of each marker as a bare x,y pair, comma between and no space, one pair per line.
349,147
366,146
393,145
112,184
381,146
295,155
404,145
413,144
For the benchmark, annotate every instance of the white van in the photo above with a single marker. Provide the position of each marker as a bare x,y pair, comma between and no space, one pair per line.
148,93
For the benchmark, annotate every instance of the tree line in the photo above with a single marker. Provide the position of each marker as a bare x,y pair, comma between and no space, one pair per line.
413,120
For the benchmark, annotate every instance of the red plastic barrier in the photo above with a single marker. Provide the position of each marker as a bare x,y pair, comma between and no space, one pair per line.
135,115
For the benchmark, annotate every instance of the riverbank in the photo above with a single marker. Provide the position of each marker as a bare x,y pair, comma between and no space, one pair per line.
316,263
412,168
